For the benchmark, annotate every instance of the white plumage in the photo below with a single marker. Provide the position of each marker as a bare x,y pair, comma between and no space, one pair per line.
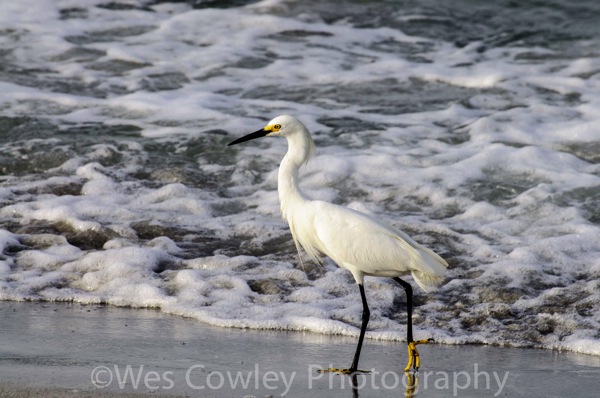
355,241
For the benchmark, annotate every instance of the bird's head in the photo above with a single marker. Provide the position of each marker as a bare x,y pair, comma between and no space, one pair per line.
281,126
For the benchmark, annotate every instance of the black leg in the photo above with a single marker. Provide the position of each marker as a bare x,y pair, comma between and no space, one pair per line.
409,307
365,319
353,369
414,360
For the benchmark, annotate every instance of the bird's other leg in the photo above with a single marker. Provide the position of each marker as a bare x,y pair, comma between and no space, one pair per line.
413,355
409,307
363,328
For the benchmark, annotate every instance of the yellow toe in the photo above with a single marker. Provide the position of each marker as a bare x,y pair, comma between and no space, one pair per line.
414,360
342,371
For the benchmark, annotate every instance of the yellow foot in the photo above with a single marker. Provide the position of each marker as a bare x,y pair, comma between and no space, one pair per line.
342,371
413,355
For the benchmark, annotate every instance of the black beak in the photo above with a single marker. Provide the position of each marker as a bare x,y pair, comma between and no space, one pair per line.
251,136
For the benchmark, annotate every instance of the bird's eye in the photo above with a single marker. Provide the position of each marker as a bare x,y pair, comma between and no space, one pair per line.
277,127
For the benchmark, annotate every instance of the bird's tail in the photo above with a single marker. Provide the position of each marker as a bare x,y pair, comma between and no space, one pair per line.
432,271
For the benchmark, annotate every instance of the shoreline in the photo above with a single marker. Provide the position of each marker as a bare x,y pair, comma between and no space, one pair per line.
65,349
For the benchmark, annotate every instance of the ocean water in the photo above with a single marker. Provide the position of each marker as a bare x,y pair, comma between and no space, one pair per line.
474,127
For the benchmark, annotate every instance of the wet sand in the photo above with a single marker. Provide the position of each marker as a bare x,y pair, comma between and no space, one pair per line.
69,350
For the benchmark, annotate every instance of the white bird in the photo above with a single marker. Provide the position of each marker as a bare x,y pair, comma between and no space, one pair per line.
355,241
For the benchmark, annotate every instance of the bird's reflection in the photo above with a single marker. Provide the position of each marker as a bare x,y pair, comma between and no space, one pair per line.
354,386
410,382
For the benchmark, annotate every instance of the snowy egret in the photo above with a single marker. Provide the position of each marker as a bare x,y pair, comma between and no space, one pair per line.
355,241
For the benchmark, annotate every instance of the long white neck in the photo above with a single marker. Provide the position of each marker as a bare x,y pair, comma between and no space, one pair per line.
300,149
